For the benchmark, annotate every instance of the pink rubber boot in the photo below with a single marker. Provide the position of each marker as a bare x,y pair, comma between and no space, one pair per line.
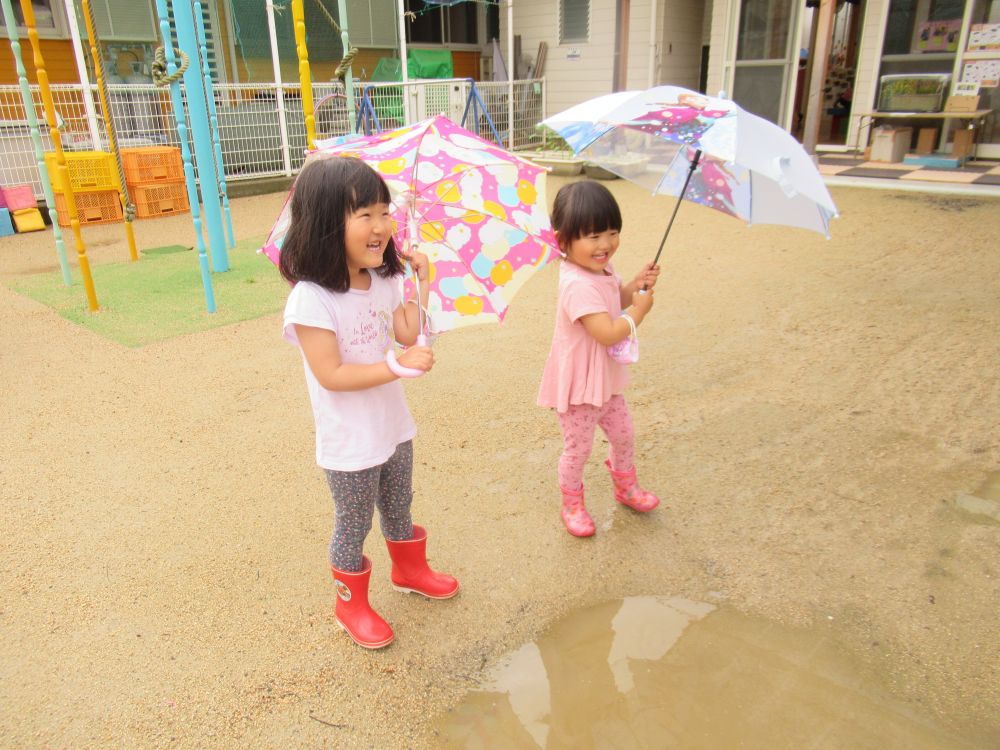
628,492
574,514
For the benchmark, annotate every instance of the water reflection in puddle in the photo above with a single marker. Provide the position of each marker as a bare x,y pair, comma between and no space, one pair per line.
657,672
984,504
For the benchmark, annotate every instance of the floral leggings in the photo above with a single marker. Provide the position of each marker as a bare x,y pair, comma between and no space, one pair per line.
578,424
355,495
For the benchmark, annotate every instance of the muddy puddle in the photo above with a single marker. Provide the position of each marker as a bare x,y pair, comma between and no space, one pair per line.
658,672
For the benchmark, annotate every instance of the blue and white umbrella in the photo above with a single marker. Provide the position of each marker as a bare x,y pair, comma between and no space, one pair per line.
704,149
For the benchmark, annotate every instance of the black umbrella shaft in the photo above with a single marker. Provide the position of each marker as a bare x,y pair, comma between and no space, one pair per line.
694,166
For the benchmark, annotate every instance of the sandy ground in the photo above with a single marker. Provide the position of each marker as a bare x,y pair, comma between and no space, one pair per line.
808,408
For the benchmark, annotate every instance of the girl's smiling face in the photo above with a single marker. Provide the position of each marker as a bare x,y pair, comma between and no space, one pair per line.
593,251
366,236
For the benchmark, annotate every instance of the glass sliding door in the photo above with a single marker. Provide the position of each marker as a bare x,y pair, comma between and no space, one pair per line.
766,58
979,59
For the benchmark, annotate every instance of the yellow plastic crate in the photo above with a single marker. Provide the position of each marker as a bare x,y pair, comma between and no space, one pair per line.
92,208
89,171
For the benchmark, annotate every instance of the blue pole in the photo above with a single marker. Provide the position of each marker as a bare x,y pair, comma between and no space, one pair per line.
192,188
194,85
214,120
36,137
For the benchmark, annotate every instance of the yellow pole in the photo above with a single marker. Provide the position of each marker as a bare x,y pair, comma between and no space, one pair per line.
109,126
106,111
50,117
305,80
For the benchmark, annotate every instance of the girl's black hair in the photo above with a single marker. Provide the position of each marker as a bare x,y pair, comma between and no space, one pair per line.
583,208
326,193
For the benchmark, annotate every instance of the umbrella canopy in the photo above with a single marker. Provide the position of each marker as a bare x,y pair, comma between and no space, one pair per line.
477,211
703,149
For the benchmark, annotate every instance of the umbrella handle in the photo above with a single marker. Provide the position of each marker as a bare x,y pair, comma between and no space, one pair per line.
400,370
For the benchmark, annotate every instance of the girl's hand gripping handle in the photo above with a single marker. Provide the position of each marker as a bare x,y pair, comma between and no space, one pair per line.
421,353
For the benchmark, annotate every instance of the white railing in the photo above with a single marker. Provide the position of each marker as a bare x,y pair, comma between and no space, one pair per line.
253,145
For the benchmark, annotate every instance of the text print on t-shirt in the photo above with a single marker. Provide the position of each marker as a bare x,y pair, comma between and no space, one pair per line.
376,330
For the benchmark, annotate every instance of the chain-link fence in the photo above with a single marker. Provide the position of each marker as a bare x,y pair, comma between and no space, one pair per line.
254,144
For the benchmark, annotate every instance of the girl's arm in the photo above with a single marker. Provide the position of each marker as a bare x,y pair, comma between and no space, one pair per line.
645,279
406,318
323,355
607,330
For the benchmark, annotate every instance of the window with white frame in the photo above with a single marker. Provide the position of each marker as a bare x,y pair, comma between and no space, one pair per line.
49,19
432,23
574,21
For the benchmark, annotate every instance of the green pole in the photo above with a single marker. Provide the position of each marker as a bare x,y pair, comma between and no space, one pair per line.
36,137
348,78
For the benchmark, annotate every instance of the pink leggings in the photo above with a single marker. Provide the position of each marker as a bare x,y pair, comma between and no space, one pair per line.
578,424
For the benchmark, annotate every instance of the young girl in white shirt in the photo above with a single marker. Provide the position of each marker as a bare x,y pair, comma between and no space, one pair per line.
345,312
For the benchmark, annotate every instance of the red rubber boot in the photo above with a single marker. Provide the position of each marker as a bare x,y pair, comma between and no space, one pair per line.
628,492
410,572
353,612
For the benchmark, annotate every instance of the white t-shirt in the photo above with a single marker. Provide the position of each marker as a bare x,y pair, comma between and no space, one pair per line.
354,429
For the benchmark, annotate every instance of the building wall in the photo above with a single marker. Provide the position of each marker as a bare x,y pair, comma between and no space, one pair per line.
869,58
638,43
59,61
569,81
680,43
721,12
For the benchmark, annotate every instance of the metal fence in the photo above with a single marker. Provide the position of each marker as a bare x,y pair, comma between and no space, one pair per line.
253,144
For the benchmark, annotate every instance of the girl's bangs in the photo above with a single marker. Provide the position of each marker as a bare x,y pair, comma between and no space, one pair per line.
593,213
368,189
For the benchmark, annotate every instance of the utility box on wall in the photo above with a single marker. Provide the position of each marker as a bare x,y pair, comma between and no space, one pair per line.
891,144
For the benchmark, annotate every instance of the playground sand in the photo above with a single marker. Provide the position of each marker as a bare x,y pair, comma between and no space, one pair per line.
809,410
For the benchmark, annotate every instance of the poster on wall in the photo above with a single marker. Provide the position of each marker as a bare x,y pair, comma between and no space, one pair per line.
939,36
984,36
984,72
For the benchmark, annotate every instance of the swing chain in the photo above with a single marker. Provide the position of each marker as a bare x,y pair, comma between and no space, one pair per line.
345,64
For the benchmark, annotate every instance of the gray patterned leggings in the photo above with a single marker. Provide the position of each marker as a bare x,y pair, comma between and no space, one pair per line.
355,495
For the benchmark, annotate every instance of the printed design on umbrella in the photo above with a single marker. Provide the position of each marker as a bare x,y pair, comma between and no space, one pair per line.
478,212
480,228
715,184
684,121
702,149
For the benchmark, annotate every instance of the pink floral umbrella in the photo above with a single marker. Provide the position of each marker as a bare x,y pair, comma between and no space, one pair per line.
477,211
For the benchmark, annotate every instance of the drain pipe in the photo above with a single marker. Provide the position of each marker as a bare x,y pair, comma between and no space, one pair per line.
511,67
653,43
403,53
81,67
279,93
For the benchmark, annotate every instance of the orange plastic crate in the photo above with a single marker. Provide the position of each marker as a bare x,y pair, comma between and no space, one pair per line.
89,171
152,164
92,208
159,200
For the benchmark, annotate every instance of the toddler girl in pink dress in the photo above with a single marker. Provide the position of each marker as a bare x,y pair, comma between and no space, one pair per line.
581,381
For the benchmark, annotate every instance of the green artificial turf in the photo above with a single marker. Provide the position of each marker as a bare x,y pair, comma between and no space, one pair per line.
161,295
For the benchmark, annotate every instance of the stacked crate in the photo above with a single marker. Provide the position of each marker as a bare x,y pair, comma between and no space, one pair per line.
93,175
155,179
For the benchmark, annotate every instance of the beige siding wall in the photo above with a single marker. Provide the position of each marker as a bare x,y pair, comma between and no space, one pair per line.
718,53
569,81
869,58
638,43
680,43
